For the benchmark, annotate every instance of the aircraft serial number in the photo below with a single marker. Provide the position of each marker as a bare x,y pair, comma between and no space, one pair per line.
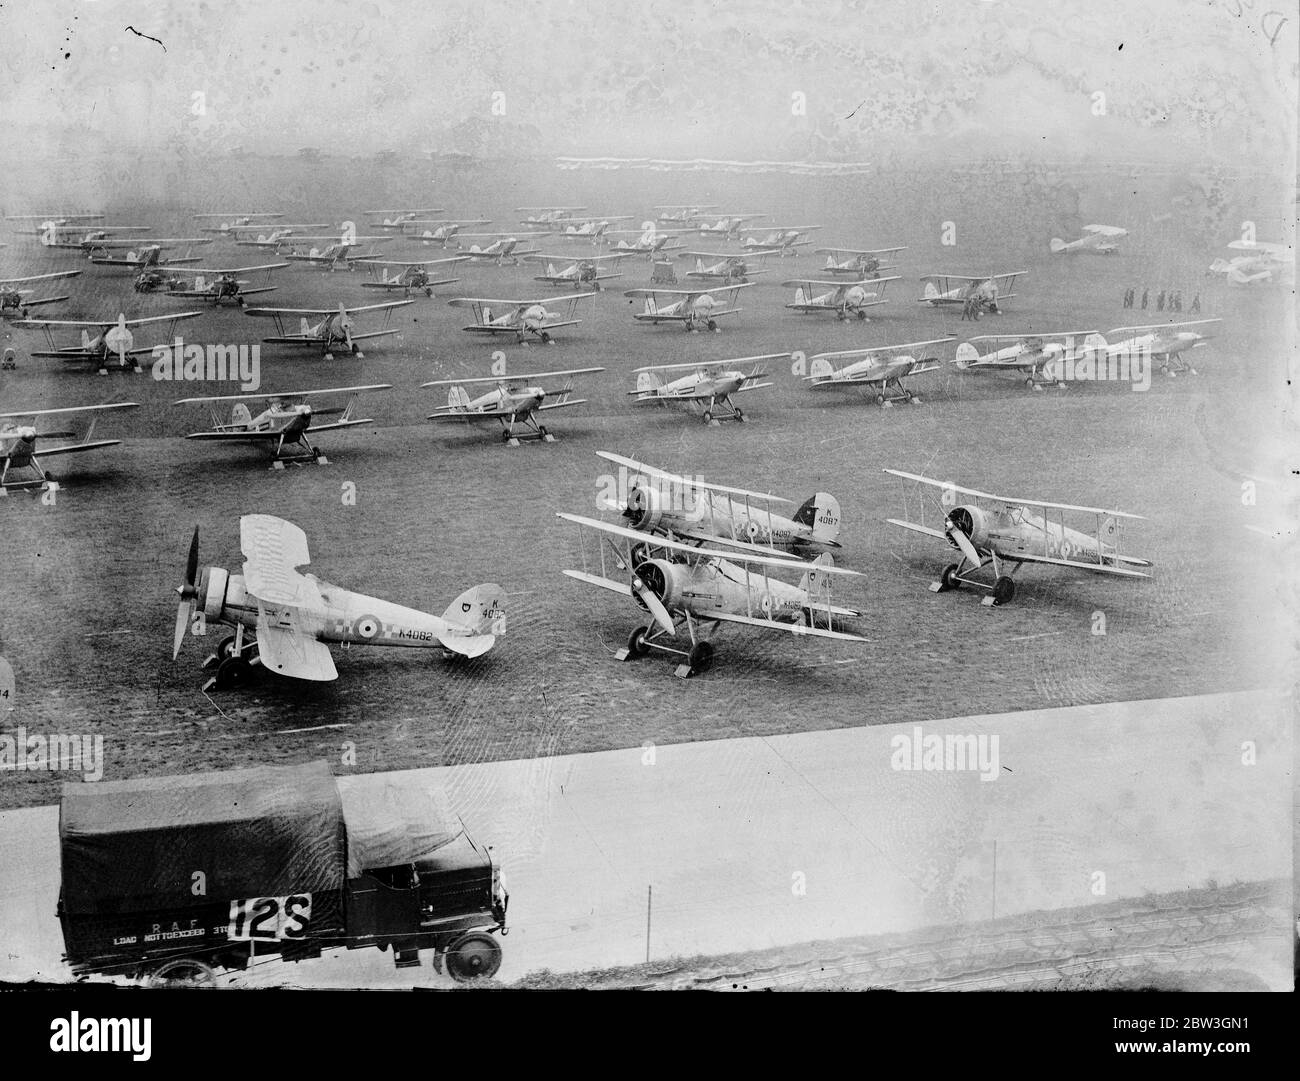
416,636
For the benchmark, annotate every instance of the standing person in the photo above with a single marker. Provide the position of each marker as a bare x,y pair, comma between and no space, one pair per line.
1196,303
1160,301
1178,301
1144,297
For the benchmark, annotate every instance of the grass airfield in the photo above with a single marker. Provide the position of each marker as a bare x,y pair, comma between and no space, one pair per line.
86,601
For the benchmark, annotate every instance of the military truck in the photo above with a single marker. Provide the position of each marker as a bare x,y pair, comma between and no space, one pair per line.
172,880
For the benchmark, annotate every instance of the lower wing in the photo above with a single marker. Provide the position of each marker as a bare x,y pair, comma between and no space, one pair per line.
289,653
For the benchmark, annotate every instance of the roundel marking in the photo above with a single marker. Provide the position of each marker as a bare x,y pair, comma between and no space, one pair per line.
367,627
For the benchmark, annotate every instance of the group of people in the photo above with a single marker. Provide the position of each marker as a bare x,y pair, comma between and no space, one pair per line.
1166,300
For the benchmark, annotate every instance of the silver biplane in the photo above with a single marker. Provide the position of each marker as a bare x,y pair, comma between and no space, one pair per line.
693,308
21,452
879,369
845,299
111,338
521,318
333,328
1038,357
857,262
513,400
707,386
411,274
15,300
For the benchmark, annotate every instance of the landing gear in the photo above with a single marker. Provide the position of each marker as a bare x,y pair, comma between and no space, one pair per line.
948,579
740,416
545,337
1000,592
473,956
636,643
713,325
708,416
183,972
696,659
226,649
1003,590
700,658
232,673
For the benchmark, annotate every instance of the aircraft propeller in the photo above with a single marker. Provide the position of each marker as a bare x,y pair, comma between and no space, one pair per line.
650,598
188,593
961,539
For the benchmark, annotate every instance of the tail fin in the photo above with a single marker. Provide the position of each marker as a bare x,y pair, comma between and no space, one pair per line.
457,398
1057,245
822,513
966,354
800,297
931,292
477,618
821,368
85,339
650,306
816,587
647,381
241,415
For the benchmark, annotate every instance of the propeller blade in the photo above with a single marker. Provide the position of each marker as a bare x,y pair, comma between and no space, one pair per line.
654,606
182,624
192,561
963,542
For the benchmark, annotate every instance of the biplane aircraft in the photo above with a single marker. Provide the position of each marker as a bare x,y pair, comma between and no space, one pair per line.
880,368
543,217
857,262
689,509
111,338
587,228
400,220
75,236
215,285
726,267
502,250
439,231
1098,239
16,301
781,239
708,386
696,589
687,214
280,237
982,294
339,253
286,422
1265,263
728,227
1018,531
513,400
1038,357
845,299
332,328
693,308
282,620
411,274
522,318
142,256
57,218
21,454
234,223
645,241
1164,343
563,270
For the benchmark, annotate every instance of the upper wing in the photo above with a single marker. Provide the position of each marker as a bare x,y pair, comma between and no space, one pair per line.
1008,499
690,482
40,277
71,409
273,548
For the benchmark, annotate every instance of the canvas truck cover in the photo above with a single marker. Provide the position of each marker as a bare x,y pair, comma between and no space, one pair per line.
137,846
393,820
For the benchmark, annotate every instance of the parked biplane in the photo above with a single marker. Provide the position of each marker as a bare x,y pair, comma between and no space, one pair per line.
1264,263
400,220
687,214
857,262
521,318
880,369
708,386
339,253
564,270
215,285
111,338
1038,357
280,237
21,454
413,274
685,587
141,256
724,267
282,619
1164,343
15,300
503,249
645,241
693,308
543,217
728,227
1098,239
286,422
513,400
781,239
439,231
234,223
689,509
333,328
1017,531
982,294
845,299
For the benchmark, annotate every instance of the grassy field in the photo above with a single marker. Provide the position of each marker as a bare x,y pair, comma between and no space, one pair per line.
86,601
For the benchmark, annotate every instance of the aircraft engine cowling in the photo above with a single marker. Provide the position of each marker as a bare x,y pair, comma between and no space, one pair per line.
644,506
971,521
661,578
212,592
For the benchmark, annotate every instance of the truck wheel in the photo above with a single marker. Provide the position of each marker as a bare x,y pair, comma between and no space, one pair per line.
474,956
183,972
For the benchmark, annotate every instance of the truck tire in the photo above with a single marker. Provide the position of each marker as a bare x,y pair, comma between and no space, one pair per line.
182,972
473,956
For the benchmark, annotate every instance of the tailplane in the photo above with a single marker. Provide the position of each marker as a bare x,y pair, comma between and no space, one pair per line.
476,619
1057,245
822,513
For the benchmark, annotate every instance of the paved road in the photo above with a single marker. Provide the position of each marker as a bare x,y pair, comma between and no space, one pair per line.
751,843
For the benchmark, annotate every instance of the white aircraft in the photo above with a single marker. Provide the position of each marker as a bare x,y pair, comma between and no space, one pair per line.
879,368
1265,263
79,237
285,423
1164,343
593,229
521,317
439,231
400,220
542,217
730,226
563,270
687,214
503,249
845,299
292,616
857,262
1036,356
140,257
58,218
339,253
693,308
16,301
1099,239
218,286
726,267
783,239
646,241
234,223
282,236
1019,531
708,386
332,329
111,337
983,294
687,508
412,275
513,399
20,454
684,586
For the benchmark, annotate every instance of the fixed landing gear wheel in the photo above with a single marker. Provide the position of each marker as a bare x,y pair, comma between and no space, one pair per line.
1030,382
428,291
1003,590
541,431
862,316
475,956
636,642
232,673
880,399
740,415
506,437
948,579
181,973
226,648
708,417
700,657
713,324
546,338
